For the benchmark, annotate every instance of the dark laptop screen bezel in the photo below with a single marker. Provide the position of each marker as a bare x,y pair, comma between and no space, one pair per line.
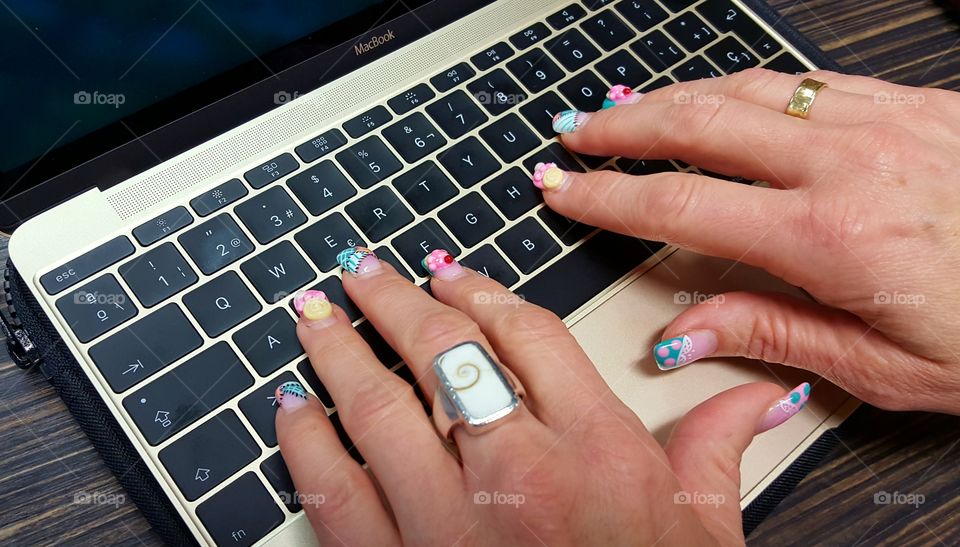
112,154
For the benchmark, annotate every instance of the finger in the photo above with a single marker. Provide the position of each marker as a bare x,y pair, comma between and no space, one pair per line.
338,496
706,446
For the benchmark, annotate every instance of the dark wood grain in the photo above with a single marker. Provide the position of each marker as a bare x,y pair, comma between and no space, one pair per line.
54,489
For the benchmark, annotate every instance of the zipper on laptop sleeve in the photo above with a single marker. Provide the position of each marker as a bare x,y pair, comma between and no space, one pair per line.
23,351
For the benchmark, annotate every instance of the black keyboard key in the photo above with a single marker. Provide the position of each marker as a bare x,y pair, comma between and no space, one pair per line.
269,342
421,240
379,213
270,214
260,408
369,162
470,219
556,153
567,230
160,227
529,36
678,5
658,51
469,162
278,272
381,349
221,304
269,171
513,193
492,55
593,162
414,137
324,239
487,261
425,187
535,70
457,114
310,376
148,345
566,17
645,167
540,113
608,30
453,77
386,255
727,17
87,264
690,31
598,4
219,197
585,91
509,137
188,392
240,524
497,92
321,145
788,64
322,187
277,474
208,455
332,286
528,245
573,50
662,81
96,307
643,14
731,56
411,98
622,68
158,274
368,121
695,68
345,439
216,243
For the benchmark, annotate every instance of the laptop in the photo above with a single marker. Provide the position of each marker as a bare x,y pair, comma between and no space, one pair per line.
176,172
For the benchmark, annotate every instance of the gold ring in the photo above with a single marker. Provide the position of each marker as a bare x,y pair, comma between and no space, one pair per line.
803,97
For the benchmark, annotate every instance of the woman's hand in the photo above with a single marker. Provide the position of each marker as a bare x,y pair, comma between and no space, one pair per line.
863,212
573,465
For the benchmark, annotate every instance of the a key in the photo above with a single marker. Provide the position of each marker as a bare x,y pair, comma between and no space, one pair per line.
318,389
333,288
421,240
221,304
727,17
608,30
414,137
585,91
146,346
658,51
513,193
369,162
157,274
572,49
528,245
367,122
535,70
160,227
188,392
321,145
216,243
555,153
695,68
87,264
787,64
260,408
496,92
386,255
731,56
494,54
566,17
487,261
690,31
469,162
411,98
379,213
567,231
219,197
322,187
470,219
645,167
277,474
540,113
452,77
278,272
622,68
530,36
240,524
509,138
324,239
96,308
208,455
271,170
643,14
425,187
457,114
270,214
269,342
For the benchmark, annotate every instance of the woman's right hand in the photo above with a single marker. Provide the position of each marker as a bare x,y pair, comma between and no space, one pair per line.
863,213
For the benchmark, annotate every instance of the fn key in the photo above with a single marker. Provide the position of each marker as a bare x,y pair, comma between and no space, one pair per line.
242,513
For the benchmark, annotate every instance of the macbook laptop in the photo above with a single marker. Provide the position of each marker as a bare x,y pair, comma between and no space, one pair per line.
173,173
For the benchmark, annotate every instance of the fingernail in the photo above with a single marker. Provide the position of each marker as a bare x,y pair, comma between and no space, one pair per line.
569,121
621,94
547,176
359,261
442,265
314,306
290,396
785,408
683,350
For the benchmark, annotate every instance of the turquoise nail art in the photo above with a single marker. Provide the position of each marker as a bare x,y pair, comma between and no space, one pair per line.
672,353
568,121
293,389
351,258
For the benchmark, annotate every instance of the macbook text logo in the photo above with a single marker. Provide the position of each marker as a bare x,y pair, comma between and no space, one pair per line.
375,42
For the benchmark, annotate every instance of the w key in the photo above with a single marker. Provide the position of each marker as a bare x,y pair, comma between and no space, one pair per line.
414,137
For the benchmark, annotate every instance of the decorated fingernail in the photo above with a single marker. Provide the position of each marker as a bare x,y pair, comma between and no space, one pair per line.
683,350
290,396
358,261
547,176
442,265
313,305
785,408
569,121
620,94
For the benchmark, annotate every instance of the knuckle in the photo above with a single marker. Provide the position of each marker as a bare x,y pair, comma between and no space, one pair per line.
376,400
442,329
677,200
533,323
692,121
752,82
338,491
836,223
882,146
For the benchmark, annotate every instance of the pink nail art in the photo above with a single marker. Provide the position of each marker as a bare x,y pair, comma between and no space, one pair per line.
620,94
301,299
442,265
683,350
547,176
785,408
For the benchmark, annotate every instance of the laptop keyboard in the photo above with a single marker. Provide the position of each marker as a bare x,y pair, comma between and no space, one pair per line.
403,178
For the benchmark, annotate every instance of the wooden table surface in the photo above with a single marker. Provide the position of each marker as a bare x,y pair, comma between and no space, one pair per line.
54,489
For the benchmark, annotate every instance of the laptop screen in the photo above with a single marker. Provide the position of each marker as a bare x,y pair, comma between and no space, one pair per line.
81,80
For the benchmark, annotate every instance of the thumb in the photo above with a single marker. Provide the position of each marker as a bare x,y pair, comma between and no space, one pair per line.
706,446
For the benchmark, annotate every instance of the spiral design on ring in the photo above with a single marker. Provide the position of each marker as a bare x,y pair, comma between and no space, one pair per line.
470,372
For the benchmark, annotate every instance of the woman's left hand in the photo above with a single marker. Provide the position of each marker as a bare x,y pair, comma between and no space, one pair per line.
573,465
